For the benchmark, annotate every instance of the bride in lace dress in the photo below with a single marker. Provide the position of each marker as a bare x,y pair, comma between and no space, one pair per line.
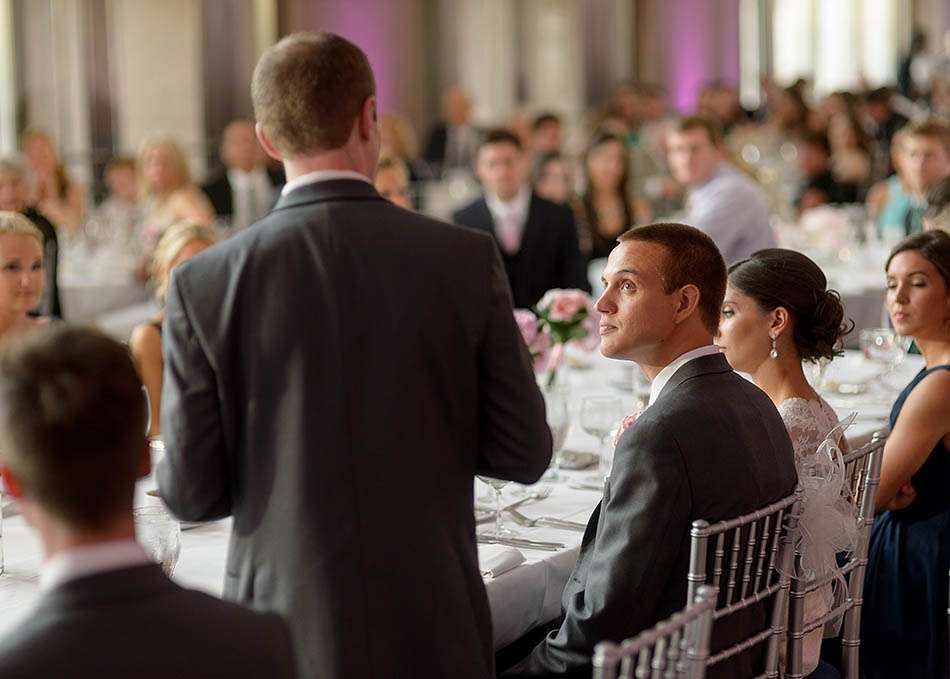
777,313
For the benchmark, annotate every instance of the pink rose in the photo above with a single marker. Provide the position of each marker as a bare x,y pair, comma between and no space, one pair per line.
563,305
527,324
625,424
536,339
592,325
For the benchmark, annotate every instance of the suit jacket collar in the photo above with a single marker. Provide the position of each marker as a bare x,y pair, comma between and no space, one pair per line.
334,189
127,584
704,365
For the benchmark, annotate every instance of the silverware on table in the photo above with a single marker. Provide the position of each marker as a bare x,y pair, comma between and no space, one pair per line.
522,543
550,521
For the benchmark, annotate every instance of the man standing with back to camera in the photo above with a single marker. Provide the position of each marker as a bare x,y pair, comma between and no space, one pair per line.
334,377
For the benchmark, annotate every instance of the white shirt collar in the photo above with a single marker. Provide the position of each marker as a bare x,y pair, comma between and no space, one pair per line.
321,176
242,179
516,206
80,562
664,375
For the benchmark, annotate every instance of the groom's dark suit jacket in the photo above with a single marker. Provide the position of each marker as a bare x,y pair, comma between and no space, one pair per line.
711,447
135,622
334,378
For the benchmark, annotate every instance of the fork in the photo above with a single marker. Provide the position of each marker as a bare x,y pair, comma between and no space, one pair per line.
549,521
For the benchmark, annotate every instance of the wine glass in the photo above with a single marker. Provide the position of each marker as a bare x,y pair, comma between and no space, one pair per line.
500,530
884,347
559,421
600,415
159,534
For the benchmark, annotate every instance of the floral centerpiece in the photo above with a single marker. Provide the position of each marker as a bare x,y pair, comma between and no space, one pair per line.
560,318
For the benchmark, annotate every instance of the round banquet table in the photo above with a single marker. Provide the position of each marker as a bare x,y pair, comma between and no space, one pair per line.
521,598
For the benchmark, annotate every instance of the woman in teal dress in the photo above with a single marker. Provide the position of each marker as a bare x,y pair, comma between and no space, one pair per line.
904,619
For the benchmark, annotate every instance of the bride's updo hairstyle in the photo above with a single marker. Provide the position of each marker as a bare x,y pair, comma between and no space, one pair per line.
784,278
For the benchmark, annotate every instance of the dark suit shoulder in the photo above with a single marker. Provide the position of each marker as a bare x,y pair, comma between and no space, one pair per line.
473,215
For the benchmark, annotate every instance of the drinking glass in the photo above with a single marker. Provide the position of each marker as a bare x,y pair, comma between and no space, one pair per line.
559,421
159,534
500,530
884,347
600,415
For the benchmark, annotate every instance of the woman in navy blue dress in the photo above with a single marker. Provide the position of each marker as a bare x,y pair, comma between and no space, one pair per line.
904,619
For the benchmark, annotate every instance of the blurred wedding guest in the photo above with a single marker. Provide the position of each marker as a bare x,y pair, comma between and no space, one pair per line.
298,424
547,133
819,185
72,417
889,200
937,215
884,123
392,181
120,213
777,313
926,162
605,209
721,100
13,198
710,446
537,238
553,178
244,190
178,244
52,193
519,123
904,620
850,153
21,274
724,203
168,194
453,142
788,118
398,140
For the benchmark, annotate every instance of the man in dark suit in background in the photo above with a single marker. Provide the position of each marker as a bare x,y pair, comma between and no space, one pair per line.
710,445
538,238
72,423
245,189
342,360
453,141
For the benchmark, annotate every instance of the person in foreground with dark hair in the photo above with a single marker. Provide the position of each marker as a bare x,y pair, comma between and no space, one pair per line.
904,620
538,238
778,312
72,443
382,338
709,446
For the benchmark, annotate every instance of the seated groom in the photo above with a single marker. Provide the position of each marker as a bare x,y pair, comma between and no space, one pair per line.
709,446
72,417
537,238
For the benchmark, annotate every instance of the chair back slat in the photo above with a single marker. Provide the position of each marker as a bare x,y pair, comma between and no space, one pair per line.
676,648
760,542
862,476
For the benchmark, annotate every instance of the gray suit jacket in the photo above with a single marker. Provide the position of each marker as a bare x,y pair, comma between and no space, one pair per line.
711,447
334,377
135,622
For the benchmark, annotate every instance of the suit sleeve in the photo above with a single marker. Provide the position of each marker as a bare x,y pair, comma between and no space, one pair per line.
644,519
573,265
193,476
514,439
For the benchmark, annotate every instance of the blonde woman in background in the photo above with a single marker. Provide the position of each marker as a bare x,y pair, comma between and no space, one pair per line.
52,193
21,273
181,242
168,194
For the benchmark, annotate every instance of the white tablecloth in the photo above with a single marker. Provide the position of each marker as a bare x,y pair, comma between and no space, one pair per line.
521,598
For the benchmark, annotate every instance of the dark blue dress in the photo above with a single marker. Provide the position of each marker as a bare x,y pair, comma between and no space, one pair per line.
904,619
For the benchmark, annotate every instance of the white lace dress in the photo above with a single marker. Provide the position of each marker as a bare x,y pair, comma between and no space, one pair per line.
808,423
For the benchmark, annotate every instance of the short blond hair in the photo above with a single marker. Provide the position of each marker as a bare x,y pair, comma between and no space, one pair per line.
13,223
177,157
175,239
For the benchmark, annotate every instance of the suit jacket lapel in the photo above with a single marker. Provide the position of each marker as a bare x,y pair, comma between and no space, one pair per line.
704,365
530,240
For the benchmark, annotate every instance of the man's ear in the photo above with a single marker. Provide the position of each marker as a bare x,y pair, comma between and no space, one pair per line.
266,143
368,118
688,300
9,483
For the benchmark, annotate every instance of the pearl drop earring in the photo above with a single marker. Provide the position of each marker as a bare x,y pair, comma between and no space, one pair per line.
774,352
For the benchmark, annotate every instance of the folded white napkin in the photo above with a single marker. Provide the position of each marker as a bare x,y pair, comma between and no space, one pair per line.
493,560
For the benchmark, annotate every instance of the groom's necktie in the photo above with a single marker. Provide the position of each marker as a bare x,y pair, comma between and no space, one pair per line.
508,231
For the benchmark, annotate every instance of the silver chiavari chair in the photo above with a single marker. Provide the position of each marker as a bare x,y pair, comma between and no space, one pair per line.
863,474
748,560
676,648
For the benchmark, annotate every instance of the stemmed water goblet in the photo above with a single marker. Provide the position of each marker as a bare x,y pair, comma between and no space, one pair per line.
500,530
600,415
886,348
559,422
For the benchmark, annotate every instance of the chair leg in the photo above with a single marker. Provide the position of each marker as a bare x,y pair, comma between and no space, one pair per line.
851,642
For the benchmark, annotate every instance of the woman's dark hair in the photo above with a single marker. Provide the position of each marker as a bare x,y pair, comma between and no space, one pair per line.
601,138
785,278
934,246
